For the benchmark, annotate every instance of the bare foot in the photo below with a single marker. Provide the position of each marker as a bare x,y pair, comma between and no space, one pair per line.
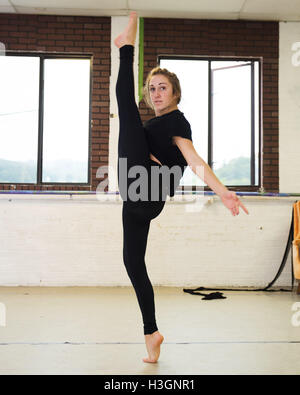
129,34
153,343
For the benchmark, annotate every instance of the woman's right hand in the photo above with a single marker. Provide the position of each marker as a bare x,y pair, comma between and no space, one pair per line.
232,202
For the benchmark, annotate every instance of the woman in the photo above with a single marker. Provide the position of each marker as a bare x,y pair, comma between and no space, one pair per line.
163,141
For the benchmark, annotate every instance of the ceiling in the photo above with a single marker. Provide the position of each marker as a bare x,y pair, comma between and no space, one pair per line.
273,10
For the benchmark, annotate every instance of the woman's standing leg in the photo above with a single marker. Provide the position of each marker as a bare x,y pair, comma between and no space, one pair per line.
135,237
136,223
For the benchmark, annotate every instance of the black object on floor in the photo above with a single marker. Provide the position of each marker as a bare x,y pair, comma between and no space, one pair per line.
219,295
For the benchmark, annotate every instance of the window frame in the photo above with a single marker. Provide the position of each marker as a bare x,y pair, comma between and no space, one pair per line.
250,59
58,55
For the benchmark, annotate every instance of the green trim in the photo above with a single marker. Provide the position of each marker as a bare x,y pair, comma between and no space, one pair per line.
141,58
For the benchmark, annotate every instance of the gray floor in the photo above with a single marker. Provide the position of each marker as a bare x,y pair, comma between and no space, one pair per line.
99,331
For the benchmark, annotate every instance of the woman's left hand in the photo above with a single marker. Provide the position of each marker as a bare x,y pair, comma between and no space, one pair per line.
232,202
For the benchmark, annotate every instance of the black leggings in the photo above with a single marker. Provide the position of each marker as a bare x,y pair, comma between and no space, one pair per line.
136,215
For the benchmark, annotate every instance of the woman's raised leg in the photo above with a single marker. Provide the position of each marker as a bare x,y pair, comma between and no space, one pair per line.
132,139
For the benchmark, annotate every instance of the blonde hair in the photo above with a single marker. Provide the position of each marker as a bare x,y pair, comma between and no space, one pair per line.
173,79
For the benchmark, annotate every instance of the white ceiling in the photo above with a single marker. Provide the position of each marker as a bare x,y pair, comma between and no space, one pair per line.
273,10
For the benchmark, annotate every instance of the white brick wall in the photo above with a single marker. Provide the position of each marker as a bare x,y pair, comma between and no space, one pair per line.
289,106
55,240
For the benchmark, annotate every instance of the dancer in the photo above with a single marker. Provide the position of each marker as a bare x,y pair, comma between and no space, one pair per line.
142,147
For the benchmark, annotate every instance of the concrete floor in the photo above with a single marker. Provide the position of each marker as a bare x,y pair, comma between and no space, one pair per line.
83,330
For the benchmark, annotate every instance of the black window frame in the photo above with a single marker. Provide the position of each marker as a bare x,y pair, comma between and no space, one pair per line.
250,59
57,55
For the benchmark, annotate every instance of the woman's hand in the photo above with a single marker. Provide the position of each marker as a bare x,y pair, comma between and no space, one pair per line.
232,202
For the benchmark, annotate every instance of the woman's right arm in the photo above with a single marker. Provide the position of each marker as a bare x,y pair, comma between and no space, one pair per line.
199,166
203,171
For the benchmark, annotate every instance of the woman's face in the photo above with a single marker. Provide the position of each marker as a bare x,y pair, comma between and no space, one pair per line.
161,95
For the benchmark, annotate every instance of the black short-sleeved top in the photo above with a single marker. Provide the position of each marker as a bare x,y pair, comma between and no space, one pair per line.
159,133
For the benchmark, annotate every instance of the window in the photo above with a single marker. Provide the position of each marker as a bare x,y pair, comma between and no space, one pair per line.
221,100
44,119
19,118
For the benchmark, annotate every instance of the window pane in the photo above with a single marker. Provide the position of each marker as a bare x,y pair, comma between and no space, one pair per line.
19,103
231,122
66,120
256,120
193,77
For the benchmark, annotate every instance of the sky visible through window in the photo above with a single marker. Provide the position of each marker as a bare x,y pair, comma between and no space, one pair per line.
231,113
66,117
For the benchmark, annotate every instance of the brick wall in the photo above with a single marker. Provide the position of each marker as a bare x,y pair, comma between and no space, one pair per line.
225,38
69,34
162,36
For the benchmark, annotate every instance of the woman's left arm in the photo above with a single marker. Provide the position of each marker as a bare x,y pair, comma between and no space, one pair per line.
202,170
